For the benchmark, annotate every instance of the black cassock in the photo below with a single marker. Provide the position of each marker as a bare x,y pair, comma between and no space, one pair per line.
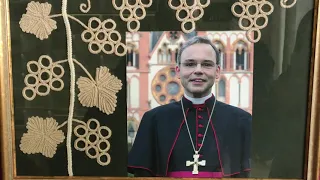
162,144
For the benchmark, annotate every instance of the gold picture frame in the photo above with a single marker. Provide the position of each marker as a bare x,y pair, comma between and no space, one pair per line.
8,171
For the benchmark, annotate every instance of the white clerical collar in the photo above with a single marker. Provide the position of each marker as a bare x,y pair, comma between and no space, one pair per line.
198,100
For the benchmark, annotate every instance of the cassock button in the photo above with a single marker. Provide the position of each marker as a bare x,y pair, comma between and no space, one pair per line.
200,135
200,126
200,117
199,145
200,109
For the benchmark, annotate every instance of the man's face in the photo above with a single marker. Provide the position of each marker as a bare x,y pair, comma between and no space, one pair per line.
198,70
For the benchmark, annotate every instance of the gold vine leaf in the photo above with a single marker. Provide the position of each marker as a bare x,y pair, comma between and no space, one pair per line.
100,93
42,137
37,20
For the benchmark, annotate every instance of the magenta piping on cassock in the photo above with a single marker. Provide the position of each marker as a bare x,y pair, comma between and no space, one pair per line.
188,174
217,143
218,147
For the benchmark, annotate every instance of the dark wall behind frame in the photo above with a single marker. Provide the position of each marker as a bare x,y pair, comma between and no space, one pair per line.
280,106
268,93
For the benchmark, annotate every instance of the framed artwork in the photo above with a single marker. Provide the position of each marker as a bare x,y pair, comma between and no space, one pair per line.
76,78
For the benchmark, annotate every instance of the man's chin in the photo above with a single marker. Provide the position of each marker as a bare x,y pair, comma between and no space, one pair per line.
197,91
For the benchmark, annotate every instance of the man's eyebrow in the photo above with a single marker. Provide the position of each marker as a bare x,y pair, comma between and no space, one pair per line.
206,60
189,60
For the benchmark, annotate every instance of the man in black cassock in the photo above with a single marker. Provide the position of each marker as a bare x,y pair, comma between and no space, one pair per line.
197,136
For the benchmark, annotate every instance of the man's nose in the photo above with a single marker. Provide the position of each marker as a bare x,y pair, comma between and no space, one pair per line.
198,68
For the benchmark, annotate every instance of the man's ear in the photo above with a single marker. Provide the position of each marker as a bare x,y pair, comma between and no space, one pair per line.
178,71
218,71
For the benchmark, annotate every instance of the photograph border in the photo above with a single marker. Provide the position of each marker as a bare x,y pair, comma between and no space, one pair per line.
8,170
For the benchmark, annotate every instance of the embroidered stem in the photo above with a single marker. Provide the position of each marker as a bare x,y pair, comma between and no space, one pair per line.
71,17
95,40
72,84
75,120
79,64
78,121
78,21
55,15
63,124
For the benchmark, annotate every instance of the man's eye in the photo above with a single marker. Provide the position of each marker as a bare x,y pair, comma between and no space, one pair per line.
207,64
190,64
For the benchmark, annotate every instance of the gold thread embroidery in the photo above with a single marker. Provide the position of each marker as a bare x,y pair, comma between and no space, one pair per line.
190,11
72,84
37,20
83,6
95,145
42,137
39,81
102,36
245,14
100,93
284,3
133,15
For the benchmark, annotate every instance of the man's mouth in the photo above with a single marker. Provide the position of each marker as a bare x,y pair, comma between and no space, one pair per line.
198,80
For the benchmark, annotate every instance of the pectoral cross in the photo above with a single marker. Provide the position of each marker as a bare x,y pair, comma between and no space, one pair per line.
196,163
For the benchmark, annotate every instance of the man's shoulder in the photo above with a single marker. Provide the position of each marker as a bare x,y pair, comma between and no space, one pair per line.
162,110
227,108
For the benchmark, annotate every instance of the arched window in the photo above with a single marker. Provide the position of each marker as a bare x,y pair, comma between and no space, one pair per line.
129,58
132,128
159,58
176,52
132,56
241,56
128,94
176,55
222,90
134,92
168,57
221,50
164,55
234,91
245,92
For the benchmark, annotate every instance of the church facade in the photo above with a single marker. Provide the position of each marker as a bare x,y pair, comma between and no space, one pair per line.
151,77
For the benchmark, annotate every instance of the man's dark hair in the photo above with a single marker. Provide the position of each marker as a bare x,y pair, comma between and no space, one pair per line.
197,40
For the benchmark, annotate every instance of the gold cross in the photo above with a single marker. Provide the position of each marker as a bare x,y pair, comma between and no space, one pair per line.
196,163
